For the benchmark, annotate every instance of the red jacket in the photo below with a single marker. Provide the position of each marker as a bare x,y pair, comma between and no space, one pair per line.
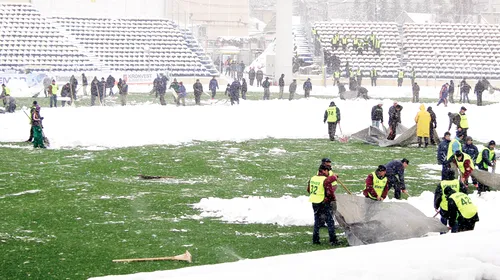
370,190
468,166
329,189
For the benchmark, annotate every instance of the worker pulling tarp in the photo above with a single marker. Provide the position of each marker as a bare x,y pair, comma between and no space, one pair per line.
367,221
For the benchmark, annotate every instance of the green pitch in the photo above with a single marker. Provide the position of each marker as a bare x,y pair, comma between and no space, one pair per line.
66,214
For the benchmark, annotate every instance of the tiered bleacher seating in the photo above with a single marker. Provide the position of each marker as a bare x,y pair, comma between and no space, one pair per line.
29,41
136,44
387,63
453,50
301,43
196,48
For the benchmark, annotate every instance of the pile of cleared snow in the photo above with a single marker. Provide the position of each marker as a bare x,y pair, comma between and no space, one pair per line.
462,256
470,255
289,211
285,211
114,127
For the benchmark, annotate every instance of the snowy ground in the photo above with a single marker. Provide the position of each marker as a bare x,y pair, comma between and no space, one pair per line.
460,256
472,255
114,127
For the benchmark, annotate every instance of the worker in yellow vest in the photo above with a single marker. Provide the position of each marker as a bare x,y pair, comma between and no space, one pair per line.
5,90
5,93
455,145
332,116
461,210
465,165
53,89
464,123
344,42
440,199
321,194
486,158
336,77
401,75
377,186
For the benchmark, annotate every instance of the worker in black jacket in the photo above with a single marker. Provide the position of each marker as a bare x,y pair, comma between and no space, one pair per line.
377,115
440,199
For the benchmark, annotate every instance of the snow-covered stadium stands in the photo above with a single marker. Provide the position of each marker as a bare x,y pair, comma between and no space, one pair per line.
136,44
387,63
29,40
453,50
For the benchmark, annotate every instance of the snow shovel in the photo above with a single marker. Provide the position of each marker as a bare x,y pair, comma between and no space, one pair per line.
186,257
345,188
343,138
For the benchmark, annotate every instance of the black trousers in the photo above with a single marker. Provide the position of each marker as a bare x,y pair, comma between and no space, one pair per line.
332,128
319,210
482,187
467,224
394,182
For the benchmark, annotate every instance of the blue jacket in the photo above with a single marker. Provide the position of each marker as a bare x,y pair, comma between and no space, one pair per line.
213,84
235,87
307,85
442,151
456,146
471,150
394,168
182,91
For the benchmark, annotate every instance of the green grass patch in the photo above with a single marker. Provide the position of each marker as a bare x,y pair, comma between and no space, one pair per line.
92,208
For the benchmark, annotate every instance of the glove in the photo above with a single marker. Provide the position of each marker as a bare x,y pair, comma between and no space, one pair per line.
435,126
42,118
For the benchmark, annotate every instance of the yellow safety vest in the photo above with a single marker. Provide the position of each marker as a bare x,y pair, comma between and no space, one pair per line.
401,74
378,185
332,114
464,123
352,74
344,41
460,164
7,91
450,148
377,44
355,41
358,72
55,89
316,189
336,74
480,156
373,73
455,185
464,205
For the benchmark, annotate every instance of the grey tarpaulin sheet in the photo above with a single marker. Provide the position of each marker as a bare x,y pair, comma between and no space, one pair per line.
491,180
375,136
366,221
350,94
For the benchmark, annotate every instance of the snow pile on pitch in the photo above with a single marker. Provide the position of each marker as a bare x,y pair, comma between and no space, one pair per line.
470,255
115,127
285,211
289,211
450,257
